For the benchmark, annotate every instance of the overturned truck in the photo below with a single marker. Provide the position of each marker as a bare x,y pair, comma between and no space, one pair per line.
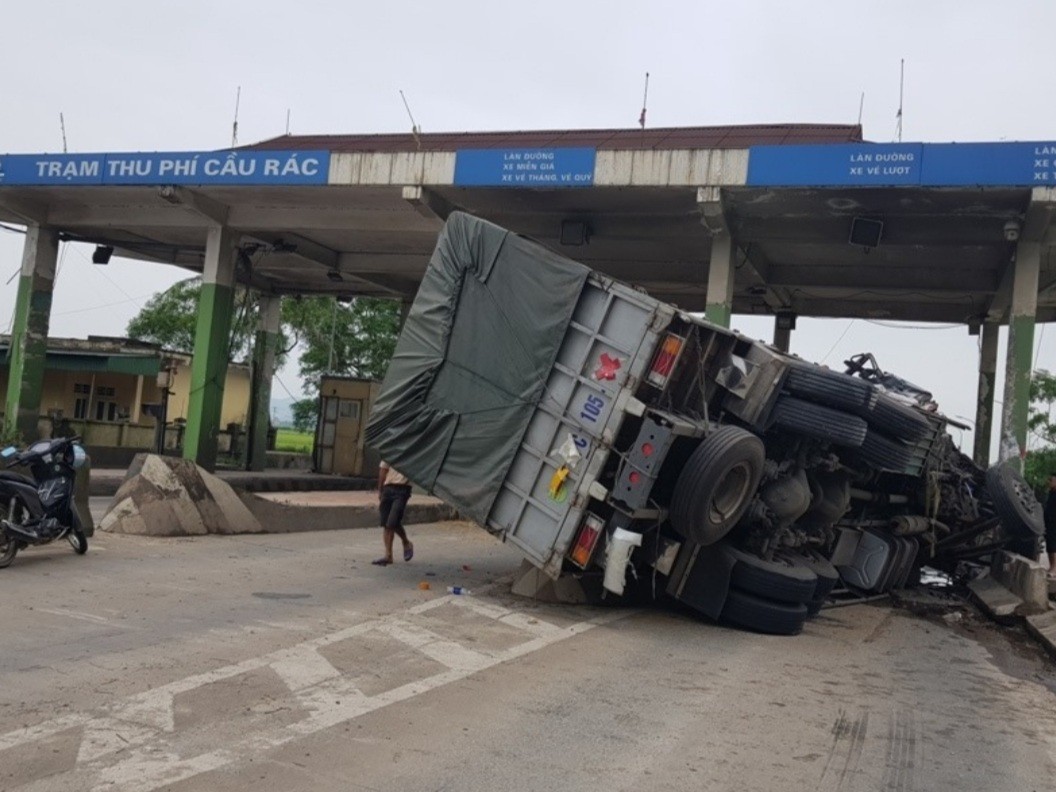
646,452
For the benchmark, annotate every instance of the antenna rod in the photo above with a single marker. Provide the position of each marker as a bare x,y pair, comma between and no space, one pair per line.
415,129
287,120
901,86
62,126
645,102
861,107
234,125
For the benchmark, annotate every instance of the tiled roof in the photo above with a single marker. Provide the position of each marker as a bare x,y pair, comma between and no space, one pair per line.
722,137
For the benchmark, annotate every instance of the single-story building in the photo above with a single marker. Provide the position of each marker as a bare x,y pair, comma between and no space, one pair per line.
109,391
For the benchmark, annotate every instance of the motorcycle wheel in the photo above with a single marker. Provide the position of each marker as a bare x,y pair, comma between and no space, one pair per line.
78,541
9,545
8,549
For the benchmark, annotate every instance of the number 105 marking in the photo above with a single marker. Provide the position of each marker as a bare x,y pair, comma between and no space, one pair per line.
592,408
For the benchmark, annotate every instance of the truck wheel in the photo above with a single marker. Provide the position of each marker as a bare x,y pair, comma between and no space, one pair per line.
828,577
1014,502
717,484
898,420
783,579
824,423
830,387
763,615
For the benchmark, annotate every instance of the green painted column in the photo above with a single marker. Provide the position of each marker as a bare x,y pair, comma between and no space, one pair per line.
719,307
211,348
29,332
265,348
1019,357
984,405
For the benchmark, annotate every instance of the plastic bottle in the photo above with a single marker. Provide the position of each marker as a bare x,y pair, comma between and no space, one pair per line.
457,590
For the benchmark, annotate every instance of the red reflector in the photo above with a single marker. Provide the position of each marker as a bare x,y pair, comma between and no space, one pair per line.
647,449
586,539
664,362
635,477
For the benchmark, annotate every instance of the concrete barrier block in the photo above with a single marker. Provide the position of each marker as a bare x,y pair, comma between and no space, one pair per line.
1043,627
995,599
1025,578
536,584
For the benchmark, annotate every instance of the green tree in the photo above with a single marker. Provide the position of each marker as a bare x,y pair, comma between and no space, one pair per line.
1041,461
305,414
354,339
170,318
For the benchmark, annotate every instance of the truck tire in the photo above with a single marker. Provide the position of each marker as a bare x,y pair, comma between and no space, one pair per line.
884,452
763,615
832,388
823,423
828,577
898,420
1014,502
784,579
716,484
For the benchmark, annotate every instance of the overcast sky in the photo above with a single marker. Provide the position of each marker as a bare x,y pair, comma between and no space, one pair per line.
147,76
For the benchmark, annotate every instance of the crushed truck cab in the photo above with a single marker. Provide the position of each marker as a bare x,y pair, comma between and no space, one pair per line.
614,438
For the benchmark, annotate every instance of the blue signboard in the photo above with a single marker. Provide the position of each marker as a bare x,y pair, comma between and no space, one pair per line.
990,164
900,164
193,167
859,165
556,167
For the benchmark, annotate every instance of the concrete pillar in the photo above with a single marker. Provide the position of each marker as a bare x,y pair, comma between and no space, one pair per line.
137,401
29,332
719,307
782,333
265,349
1020,353
212,341
984,405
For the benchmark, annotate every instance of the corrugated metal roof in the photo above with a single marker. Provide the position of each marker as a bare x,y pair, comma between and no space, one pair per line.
721,137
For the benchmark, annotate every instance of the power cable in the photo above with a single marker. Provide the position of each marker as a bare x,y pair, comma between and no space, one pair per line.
838,340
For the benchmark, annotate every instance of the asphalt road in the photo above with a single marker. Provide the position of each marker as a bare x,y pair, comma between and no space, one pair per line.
289,662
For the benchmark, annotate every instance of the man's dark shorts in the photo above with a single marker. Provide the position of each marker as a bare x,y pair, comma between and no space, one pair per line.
394,499
1050,538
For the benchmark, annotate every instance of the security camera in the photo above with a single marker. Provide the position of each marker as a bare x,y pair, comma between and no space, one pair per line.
1012,231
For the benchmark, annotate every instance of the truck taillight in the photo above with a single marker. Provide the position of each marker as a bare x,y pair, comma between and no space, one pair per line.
586,540
664,362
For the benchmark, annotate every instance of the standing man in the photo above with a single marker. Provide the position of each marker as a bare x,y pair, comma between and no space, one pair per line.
1050,526
394,490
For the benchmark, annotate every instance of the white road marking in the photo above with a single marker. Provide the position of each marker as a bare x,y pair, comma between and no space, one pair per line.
303,667
89,617
127,745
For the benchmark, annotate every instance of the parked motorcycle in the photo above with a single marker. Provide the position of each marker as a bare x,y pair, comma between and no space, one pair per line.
38,509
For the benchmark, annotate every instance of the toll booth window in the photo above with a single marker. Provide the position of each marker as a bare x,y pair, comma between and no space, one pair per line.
349,409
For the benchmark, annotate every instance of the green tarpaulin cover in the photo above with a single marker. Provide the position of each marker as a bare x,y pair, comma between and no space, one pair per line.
473,361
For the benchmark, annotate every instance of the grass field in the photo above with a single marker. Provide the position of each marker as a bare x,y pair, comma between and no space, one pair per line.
292,440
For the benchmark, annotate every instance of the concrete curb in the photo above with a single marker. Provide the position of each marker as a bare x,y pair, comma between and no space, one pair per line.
284,518
1006,607
107,482
1043,627
998,602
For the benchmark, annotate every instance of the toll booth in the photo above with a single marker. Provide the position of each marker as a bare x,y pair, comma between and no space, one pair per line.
344,409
